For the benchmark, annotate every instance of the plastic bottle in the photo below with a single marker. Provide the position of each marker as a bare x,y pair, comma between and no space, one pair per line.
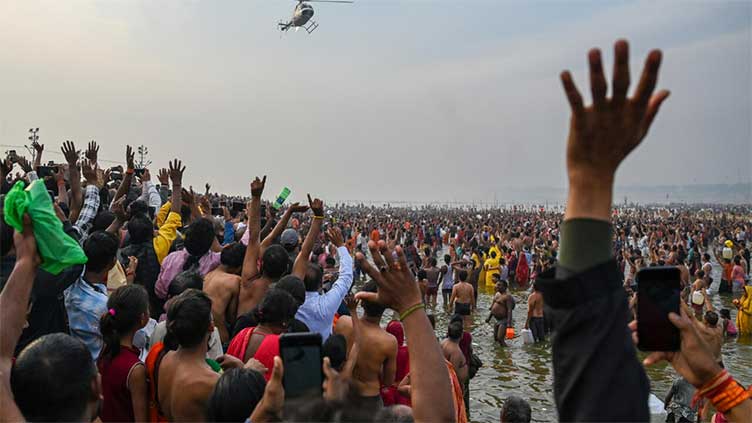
281,198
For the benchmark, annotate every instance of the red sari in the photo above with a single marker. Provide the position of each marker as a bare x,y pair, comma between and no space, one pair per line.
522,273
389,394
265,353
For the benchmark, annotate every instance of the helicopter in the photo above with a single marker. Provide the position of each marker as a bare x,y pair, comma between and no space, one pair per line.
301,16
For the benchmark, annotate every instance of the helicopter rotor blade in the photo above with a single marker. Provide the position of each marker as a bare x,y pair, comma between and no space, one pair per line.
329,1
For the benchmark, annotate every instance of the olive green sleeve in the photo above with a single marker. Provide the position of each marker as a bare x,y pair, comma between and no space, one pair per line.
584,244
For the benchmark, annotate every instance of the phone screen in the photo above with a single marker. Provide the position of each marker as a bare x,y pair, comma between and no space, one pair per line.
45,171
301,356
658,294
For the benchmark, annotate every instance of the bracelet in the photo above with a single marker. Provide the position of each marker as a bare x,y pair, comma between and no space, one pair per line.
723,392
130,171
318,217
411,310
129,273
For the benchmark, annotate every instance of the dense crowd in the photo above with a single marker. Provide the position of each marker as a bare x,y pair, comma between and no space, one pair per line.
126,298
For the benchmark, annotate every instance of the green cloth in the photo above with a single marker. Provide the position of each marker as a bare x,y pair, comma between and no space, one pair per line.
56,248
584,243
214,365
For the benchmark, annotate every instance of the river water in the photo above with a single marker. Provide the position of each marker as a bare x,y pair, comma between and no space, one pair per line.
525,370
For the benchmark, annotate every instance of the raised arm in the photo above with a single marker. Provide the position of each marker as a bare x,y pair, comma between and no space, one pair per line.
74,178
281,225
14,304
125,184
301,262
588,350
38,149
397,289
250,263
176,176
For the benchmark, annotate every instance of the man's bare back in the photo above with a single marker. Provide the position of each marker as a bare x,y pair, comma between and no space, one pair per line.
454,355
377,359
251,294
223,288
535,304
184,387
464,293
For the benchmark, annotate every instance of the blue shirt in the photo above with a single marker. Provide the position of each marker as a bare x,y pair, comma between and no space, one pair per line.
85,304
318,310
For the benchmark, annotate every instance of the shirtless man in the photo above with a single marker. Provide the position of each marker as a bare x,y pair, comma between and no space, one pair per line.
222,285
463,299
535,314
275,260
432,276
185,381
450,346
377,356
501,309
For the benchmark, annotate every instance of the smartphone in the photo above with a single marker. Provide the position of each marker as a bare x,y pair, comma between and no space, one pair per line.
216,211
263,210
658,294
301,356
238,206
139,172
45,171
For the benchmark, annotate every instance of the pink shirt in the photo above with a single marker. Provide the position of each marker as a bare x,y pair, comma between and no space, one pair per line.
173,264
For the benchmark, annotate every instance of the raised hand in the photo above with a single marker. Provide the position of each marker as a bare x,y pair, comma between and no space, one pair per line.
188,197
176,173
398,289
130,157
92,152
60,175
132,265
257,186
118,209
70,153
5,168
163,176
603,134
26,244
25,165
106,176
39,148
208,187
335,235
317,206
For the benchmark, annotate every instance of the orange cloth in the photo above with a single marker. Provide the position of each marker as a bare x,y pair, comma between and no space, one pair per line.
457,397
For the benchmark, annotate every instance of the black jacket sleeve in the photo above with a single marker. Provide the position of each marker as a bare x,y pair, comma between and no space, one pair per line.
597,376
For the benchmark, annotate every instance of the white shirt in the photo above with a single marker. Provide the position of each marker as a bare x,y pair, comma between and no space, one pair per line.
318,310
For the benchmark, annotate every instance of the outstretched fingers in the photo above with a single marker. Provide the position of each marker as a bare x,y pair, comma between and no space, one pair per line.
649,78
573,94
598,85
621,78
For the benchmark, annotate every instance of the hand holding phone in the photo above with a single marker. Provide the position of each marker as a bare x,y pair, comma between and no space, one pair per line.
658,294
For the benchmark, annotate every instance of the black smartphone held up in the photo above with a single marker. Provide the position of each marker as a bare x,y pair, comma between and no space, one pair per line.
658,294
216,211
238,206
139,172
301,356
45,171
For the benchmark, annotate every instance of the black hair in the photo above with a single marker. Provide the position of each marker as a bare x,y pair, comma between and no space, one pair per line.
183,281
140,229
103,220
101,248
725,313
454,331
462,274
371,309
447,258
515,410
493,254
199,237
422,274
125,307
330,261
6,237
52,379
313,277
275,262
277,307
700,274
138,207
711,317
188,319
293,286
335,347
232,255
235,395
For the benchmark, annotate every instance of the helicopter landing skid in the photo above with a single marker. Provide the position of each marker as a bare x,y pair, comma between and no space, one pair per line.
312,25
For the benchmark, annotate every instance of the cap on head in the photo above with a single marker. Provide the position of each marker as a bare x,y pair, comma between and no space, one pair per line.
289,238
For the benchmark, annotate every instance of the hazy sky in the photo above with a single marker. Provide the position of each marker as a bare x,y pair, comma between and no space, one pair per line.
387,100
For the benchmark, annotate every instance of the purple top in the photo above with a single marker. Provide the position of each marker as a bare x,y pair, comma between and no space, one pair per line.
173,264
